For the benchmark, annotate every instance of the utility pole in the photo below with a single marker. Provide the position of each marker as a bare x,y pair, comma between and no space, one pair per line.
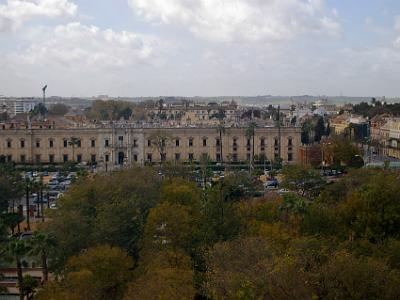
44,98
279,132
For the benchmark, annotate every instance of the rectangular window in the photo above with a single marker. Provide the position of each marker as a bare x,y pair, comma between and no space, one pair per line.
177,156
191,156
121,138
23,159
262,143
65,157
51,158
290,142
37,158
93,143
79,158
218,142
106,143
177,143
8,144
135,157
79,143
218,157
22,144
276,142
93,158
135,143
149,157
65,143
235,143
51,143
148,143
190,142
204,142
248,142
107,158
9,158
37,144
290,156
235,157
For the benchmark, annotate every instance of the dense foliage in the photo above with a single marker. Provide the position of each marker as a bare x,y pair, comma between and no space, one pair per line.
137,235
115,110
376,108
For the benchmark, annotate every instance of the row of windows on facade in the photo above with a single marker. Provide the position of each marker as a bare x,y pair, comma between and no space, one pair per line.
234,157
218,142
51,159
78,143
75,143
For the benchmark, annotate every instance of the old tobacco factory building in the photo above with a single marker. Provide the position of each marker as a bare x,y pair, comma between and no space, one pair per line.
130,144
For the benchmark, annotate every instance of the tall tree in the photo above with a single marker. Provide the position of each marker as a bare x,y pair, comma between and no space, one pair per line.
15,250
250,134
221,131
40,245
100,273
74,142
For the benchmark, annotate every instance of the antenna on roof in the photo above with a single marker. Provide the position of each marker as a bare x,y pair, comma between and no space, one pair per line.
44,95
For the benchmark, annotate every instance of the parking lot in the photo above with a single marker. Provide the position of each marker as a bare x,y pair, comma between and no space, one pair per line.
44,189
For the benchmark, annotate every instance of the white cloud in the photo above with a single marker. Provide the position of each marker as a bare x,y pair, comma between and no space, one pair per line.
15,12
76,58
77,46
397,29
397,23
242,20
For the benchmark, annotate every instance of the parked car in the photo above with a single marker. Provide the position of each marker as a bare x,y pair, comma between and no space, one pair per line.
283,191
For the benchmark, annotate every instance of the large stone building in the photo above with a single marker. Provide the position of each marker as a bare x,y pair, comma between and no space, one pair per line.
128,144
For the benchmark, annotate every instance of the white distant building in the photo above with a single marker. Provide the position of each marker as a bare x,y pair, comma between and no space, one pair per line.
24,106
15,106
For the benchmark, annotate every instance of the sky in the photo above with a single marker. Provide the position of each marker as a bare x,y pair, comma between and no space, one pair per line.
200,47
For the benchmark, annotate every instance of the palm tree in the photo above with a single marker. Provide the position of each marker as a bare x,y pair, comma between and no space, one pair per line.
41,244
29,187
41,186
73,142
250,134
16,249
221,131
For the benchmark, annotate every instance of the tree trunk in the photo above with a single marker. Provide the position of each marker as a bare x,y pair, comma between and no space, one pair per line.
27,209
45,267
41,203
220,140
20,279
252,158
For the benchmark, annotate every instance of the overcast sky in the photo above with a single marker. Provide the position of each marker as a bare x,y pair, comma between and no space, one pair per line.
200,47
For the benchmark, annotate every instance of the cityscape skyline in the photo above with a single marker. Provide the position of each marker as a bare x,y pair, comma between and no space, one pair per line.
199,48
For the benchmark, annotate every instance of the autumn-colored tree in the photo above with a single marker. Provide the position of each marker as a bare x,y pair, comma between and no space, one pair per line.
306,181
348,277
373,211
163,275
100,273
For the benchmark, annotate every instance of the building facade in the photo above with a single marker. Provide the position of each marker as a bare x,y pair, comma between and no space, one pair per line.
128,145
